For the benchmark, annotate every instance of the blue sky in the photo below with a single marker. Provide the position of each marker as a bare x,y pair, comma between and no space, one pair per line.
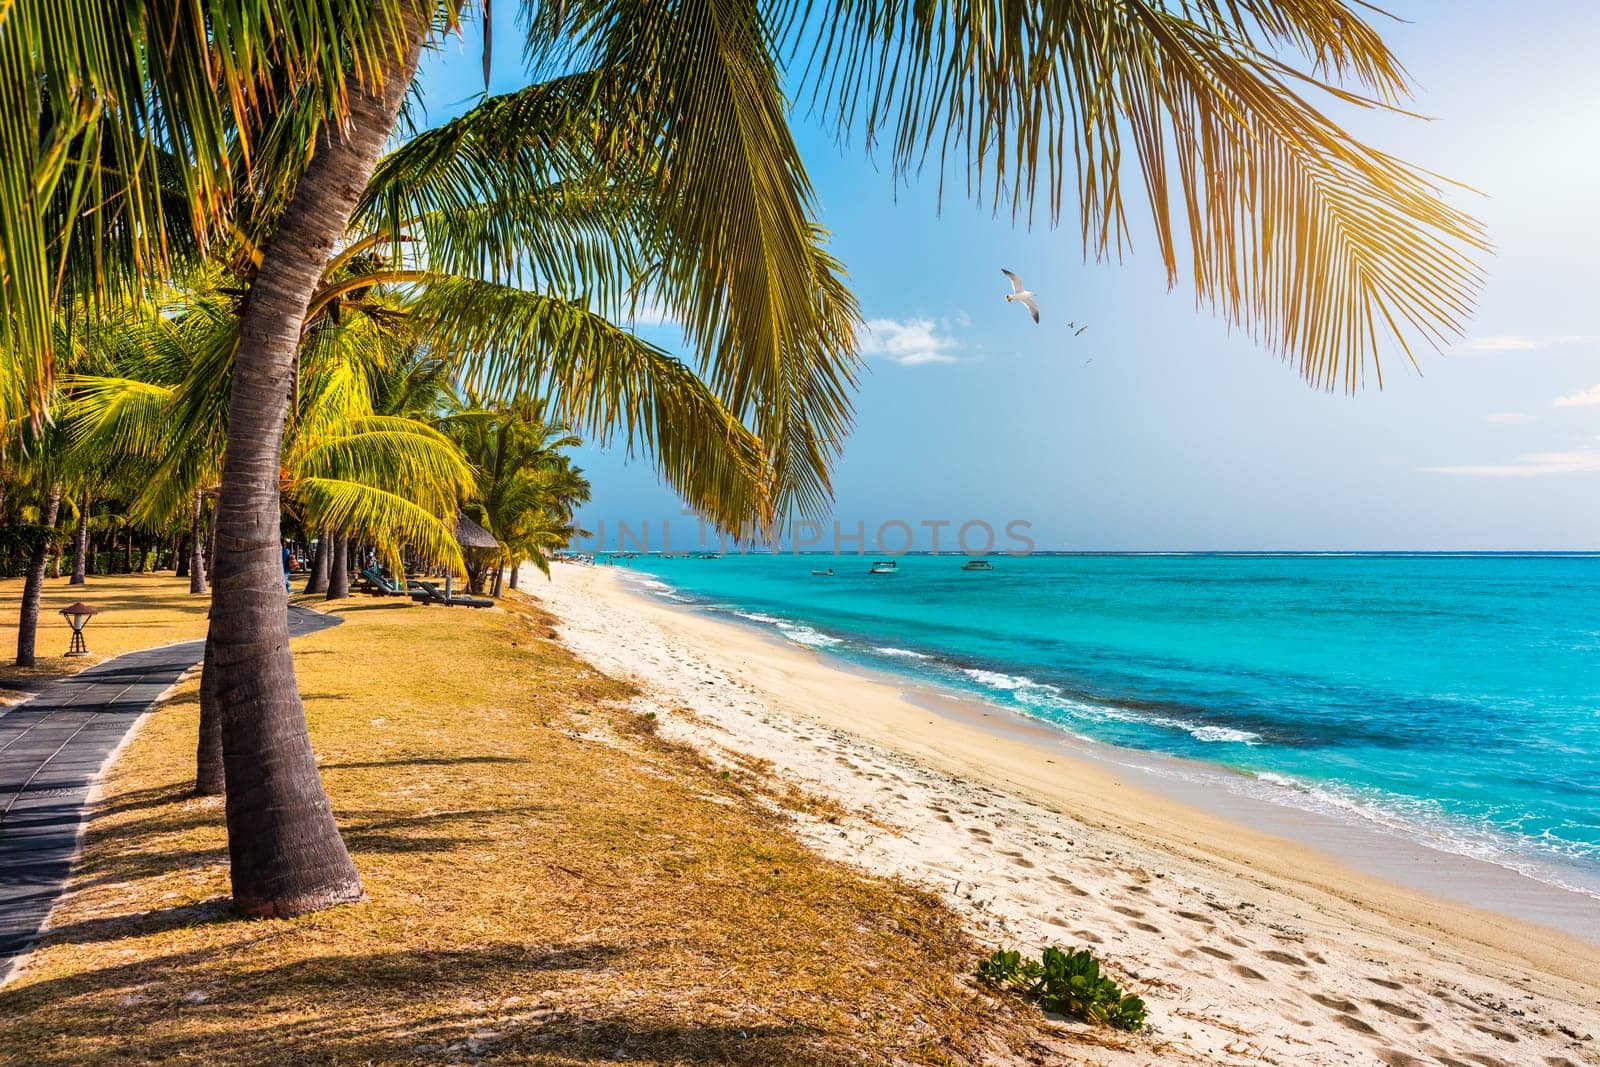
1157,429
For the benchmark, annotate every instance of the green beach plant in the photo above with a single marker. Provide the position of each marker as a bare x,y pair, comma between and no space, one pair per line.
1065,982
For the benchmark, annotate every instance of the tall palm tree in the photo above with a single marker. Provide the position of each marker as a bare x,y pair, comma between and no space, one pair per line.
527,486
1324,247
389,479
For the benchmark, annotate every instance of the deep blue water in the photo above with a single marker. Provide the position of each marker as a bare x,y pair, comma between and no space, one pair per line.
1455,699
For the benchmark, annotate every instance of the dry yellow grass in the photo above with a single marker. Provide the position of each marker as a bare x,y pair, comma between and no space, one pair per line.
547,882
136,611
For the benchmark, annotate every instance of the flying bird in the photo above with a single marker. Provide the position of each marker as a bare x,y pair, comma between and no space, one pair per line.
1079,332
1020,294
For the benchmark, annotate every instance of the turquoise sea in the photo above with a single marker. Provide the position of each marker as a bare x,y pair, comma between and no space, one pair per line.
1452,700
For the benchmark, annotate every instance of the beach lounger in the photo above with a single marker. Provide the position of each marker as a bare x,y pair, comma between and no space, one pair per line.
432,594
378,585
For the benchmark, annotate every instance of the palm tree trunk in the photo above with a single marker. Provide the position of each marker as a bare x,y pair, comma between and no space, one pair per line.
338,584
33,586
318,582
197,547
210,777
210,550
180,557
516,569
80,546
286,855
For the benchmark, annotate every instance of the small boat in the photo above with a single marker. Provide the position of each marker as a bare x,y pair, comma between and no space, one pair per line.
977,565
883,566
823,574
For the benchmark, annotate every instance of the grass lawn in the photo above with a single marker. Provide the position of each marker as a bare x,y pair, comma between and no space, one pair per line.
136,611
547,882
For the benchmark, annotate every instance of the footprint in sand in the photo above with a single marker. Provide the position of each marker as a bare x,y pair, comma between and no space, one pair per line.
1132,913
1248,972
1336,1003
1088,935
1395,1009
1283,957
1146,927
1350,1022
1497,1034
1217,952
1196,917
1393,1057
1385,983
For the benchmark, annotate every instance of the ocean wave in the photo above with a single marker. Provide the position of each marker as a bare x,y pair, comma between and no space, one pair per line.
1046,698
1221,733
805,635
1426,822
903,653
1005,682
756,616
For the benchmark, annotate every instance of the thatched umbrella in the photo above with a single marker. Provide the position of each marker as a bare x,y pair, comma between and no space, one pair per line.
477,544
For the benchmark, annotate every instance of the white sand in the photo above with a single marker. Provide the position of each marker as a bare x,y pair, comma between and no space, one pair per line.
1248,948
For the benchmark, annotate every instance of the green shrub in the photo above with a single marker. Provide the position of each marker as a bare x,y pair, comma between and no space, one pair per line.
1066,982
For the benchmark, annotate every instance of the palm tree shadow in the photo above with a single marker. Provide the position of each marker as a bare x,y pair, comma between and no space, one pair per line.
361,1008
141,924
422,761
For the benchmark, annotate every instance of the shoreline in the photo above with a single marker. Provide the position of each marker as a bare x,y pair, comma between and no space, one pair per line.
1367,845
1249,944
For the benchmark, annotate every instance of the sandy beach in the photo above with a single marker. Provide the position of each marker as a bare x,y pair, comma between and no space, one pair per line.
1249,946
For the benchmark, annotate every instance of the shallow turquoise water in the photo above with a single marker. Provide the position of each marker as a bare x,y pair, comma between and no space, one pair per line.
1452,699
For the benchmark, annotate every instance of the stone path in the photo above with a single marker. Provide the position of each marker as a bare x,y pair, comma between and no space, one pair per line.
52,749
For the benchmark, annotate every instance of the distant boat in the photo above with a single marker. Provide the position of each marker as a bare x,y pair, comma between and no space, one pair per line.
977,565
883,566
823,574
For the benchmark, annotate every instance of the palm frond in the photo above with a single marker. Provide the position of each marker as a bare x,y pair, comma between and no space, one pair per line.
693,93
1323,248
110,110
380,515
603,381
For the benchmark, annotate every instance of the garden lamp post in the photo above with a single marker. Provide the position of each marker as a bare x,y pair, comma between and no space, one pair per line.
77,617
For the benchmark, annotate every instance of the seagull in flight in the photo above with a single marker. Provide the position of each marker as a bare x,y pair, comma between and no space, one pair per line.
1020,294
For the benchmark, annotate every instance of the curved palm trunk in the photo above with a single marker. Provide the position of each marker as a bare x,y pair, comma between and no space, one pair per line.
33,586
338,584
80,547
210,778
318,582
197,546
286,855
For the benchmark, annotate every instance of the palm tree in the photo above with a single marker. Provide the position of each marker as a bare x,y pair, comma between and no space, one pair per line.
527,487
389,479
1322,246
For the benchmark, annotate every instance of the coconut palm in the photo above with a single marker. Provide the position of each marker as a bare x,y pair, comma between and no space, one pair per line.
527,487
1324,247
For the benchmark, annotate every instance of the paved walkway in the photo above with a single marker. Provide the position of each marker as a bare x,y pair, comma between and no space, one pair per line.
52,749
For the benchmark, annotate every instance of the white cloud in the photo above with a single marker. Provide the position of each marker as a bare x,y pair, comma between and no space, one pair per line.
1586,398
1504,343
909,343
1581,462
1508,417
1518,342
